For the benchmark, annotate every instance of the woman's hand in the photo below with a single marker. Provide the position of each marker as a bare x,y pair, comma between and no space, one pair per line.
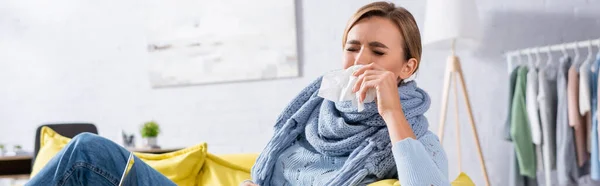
384,82
388,100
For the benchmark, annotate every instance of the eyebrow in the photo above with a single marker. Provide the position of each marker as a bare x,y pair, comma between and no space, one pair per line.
372,44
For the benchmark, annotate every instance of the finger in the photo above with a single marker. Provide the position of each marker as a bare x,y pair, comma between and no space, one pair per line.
368,83
360,79
358,83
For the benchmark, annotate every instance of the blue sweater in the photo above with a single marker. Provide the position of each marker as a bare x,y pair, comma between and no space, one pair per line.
419,162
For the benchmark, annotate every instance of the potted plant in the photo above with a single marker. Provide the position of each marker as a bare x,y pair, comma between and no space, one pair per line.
18,150
150,131
2,150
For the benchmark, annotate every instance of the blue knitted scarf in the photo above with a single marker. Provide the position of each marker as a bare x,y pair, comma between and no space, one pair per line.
339,130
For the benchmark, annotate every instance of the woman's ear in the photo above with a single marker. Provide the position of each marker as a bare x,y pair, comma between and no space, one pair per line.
409,68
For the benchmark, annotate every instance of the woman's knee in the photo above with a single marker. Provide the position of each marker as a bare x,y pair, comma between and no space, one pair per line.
86,137
90,142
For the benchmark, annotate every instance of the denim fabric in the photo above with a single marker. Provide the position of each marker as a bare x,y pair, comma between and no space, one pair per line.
89,159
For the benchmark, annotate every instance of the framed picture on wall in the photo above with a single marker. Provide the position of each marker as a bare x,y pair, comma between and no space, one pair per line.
203,42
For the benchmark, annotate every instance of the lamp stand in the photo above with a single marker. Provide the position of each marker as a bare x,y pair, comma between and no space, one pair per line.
454,71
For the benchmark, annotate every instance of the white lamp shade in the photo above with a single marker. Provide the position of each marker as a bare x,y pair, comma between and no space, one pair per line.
448,20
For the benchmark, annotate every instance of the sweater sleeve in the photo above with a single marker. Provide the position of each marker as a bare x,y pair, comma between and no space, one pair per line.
422,161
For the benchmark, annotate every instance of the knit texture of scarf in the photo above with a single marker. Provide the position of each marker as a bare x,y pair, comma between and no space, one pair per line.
339,130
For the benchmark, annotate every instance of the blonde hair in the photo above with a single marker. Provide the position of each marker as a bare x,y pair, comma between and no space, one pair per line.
399,15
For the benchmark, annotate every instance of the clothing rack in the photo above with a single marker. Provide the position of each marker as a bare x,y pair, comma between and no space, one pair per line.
550,48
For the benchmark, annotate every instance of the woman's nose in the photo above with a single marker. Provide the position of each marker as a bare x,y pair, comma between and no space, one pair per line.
362,58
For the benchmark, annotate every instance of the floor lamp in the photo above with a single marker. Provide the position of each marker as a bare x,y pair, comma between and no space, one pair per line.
449,23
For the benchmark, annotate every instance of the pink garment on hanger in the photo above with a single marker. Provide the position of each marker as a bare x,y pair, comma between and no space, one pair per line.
575,119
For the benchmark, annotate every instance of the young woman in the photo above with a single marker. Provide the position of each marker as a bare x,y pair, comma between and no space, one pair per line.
316,142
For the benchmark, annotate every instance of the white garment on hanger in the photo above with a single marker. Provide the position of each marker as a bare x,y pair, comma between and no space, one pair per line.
531,94
585,99
585,102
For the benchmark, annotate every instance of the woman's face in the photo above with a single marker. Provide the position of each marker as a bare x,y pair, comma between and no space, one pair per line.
377,40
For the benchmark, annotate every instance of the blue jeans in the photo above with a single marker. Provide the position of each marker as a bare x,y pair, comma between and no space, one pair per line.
89,159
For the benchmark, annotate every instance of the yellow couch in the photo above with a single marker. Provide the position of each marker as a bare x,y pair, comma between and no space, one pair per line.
246,161
189,166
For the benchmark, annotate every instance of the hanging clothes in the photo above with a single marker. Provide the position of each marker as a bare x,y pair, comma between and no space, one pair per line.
566,161
519,129
597,89
532,106
553,119
585,101
511,90
587,119
575,119
547,99
533,114
515,177
594,161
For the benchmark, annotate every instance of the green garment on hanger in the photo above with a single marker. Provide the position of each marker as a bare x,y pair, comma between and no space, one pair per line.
511,92
519,130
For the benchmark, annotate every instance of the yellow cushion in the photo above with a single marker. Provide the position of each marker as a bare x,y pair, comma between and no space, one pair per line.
219,171
182,166
50,143
245,160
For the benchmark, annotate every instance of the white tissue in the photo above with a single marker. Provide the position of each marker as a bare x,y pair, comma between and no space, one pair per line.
337,86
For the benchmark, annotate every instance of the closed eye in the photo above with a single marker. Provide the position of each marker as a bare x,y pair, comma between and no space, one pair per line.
351,49
378,53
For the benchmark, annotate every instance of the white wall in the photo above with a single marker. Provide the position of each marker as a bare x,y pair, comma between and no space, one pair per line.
73,60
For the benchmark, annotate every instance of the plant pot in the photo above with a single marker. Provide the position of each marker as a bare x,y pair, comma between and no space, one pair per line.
150,142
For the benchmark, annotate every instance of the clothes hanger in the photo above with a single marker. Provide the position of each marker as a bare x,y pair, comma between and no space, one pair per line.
538,59
512,63
549,54
588,59
576,61
519,59
564,51
529,60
